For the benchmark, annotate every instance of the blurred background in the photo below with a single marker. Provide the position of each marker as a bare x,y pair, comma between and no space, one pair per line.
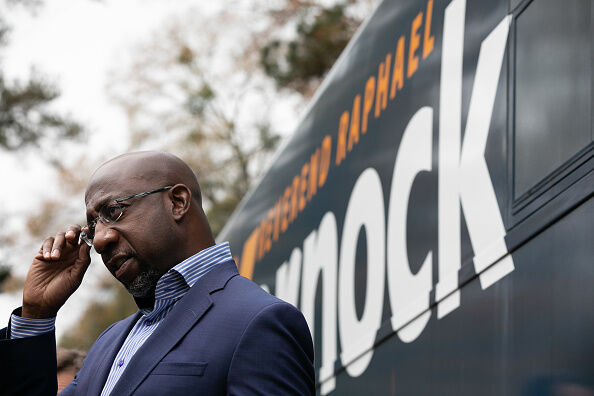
217,83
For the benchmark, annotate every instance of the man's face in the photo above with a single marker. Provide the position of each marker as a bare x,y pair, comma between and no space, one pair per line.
132,248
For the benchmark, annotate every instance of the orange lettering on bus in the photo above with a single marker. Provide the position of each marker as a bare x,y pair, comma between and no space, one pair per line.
277,215
248,255
354,129
383,75
261,239
368,101
268,231
303,186
398,73
325,160
313,174
285,209
428,39
413,60
343,128
294,201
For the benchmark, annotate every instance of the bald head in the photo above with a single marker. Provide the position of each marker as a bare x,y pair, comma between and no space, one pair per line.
154,168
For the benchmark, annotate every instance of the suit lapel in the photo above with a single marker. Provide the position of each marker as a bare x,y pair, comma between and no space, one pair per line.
178,322
97,374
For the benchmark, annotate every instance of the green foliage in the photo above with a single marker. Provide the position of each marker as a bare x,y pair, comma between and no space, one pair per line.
96,318
198,101
25,119
186,55
268,139
296,63
4,274
219,214
9,283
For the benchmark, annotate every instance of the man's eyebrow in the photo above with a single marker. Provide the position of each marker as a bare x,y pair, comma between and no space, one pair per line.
99,205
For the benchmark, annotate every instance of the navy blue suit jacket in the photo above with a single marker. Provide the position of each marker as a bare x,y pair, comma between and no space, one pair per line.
225,336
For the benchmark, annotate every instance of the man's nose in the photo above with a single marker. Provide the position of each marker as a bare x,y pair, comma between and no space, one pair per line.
104,236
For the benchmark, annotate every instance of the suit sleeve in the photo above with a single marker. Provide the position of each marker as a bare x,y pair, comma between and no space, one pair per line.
28,365
274,355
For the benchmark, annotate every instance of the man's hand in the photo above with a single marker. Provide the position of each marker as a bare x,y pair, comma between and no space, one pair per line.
55,274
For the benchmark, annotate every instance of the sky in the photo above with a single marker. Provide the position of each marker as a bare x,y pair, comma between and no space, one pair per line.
76,44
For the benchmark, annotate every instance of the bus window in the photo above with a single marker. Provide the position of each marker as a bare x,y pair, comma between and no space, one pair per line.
552,106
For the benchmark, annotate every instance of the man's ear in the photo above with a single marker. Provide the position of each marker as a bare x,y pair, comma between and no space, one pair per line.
181,198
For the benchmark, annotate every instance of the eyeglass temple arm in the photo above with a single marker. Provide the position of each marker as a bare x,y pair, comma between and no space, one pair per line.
142,194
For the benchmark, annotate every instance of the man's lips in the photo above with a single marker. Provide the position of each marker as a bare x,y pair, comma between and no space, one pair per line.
123,267
115,265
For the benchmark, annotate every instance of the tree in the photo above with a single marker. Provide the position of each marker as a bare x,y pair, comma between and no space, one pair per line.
189,93
26,120
300,63
25,116
299,60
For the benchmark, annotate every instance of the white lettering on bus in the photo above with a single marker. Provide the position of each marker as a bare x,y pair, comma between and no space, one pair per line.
320,255
287,278
409,293
463,180
365,209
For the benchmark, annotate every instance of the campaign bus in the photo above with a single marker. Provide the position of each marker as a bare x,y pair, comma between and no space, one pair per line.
432,214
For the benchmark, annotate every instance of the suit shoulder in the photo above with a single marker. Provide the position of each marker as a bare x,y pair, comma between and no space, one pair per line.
244,298
254,291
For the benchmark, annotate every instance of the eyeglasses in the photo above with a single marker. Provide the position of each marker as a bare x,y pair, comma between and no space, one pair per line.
111,212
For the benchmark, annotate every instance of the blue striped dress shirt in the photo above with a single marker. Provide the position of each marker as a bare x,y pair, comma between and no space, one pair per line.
170,288
24,327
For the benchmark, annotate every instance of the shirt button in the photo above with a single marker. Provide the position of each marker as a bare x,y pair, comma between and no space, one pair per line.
148,322
121,362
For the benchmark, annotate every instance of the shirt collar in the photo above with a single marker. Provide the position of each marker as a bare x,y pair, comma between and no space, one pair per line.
176,282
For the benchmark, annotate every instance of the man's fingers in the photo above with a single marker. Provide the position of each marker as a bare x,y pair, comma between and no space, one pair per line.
84,252
52,247
61,239
72,234
46,247
58,244
83,261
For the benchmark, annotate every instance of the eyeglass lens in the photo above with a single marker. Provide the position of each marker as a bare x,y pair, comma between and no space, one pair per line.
109,213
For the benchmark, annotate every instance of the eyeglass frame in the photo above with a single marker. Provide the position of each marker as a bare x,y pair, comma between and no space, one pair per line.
84,235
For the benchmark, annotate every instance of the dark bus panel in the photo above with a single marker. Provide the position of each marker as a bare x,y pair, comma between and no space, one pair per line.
432,215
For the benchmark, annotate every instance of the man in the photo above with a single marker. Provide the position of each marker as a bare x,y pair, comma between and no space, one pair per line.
200,329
